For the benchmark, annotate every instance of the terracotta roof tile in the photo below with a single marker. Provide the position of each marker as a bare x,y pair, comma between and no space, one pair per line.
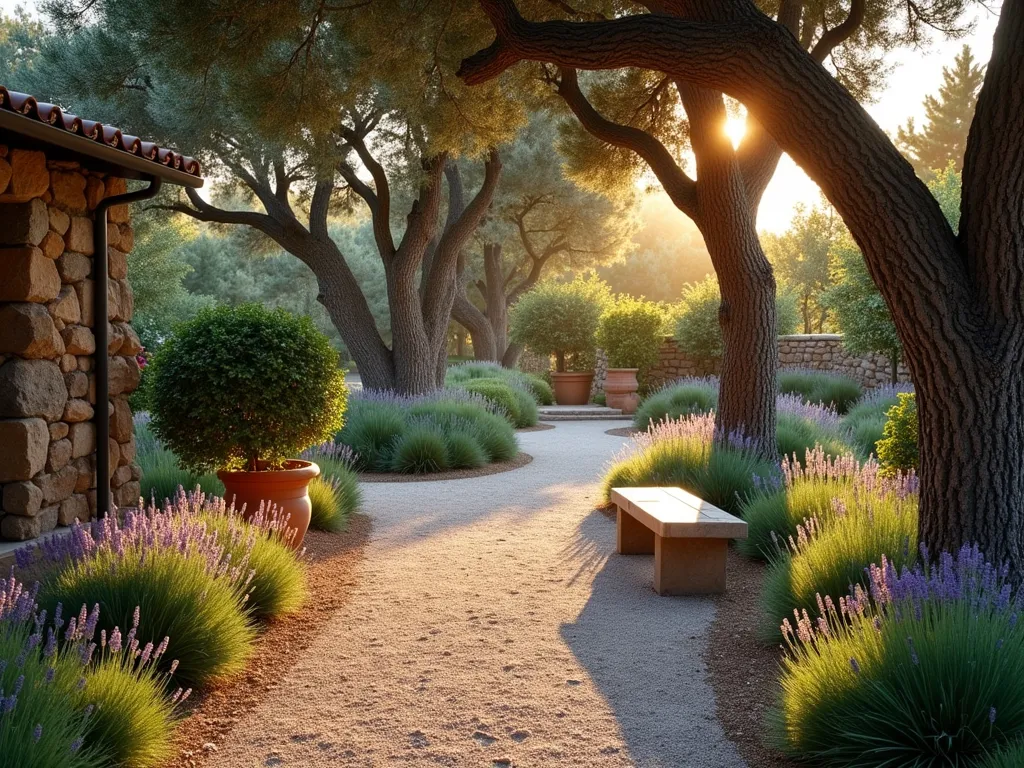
23,104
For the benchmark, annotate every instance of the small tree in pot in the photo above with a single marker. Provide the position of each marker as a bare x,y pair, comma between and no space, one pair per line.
560,319
629,331
242,390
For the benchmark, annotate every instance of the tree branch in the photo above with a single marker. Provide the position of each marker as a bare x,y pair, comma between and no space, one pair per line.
833,38
679,187
381,208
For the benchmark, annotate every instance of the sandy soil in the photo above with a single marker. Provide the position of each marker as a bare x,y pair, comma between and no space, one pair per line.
491,625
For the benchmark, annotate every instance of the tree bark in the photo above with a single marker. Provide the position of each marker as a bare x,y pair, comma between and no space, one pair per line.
955,302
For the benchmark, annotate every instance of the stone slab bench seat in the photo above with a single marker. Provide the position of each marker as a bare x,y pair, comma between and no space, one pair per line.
688,537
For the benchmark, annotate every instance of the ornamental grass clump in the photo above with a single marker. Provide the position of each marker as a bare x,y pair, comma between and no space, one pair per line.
680,398
518,404
245,388
830,554
186,580
685,453
335,494
804,426
73,695
839,392
538,388
923,668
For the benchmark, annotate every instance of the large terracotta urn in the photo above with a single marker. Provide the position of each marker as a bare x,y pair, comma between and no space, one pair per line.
620,389
572,388
287,489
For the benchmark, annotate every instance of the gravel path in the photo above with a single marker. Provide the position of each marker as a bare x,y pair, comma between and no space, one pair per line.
491,627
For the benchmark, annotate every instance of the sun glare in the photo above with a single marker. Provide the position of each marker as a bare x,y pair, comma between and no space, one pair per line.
735,127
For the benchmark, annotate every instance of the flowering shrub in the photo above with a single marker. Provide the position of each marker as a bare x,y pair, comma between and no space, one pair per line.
190,584
923,668
867,516
804,426
518,405
538,388
335,493
68,698
680,398
818,388
684,453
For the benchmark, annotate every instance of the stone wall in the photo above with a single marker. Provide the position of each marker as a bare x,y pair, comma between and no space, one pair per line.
825,352
47,386
822,352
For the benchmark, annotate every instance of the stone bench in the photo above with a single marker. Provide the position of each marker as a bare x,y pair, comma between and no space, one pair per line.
688,537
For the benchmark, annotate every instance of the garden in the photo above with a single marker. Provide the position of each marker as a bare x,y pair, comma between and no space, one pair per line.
383,393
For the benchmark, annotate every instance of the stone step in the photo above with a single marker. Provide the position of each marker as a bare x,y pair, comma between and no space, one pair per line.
579,413
588,417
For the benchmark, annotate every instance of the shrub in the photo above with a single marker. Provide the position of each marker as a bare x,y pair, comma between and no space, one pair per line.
1011,756
629,332
278,585
683,453
926,668
825,559
897,450
169,565
43,724
335,494
560,319
378,425
420,450
245,387
795,435
539,389
682,398
865,420
464,451
817,388
697,329
517,403
813,488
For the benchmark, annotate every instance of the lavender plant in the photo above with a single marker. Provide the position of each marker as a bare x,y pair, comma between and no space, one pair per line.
865,421
685,452
682,397
867,518
335,494
167,562
818,387
923,668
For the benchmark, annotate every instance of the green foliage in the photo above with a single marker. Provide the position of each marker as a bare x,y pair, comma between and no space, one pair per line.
865,422
163,476
464,451
542,391
449,434
132,723
718,474
519,405
833,554
931,681
897,450
697,330
420,450
795,435
538,388
629,332
176,593
278,585
839,392
673,401
54,706
245,387
942,141
335,493
800,257
560,319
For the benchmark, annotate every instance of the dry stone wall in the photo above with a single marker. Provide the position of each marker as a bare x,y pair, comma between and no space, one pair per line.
47,385
822,352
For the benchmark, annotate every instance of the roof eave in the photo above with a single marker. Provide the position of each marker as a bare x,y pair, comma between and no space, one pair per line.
103,158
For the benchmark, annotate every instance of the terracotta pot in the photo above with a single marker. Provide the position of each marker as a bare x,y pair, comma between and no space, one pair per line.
620,386
287,489
572,388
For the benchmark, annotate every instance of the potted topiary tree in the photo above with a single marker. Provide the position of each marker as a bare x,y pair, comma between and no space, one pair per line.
242,390
560,319
629,331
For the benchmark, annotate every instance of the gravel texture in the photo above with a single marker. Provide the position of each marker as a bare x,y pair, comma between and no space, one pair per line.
492,625
521,460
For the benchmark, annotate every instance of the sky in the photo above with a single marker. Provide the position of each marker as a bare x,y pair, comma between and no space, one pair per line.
917,73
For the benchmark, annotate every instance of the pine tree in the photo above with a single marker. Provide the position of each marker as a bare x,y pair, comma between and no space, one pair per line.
943,139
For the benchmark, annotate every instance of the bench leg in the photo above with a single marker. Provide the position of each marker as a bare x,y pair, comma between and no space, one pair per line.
633,538
689,566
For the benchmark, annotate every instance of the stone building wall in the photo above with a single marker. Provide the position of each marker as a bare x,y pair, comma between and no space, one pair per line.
822,352
47,385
